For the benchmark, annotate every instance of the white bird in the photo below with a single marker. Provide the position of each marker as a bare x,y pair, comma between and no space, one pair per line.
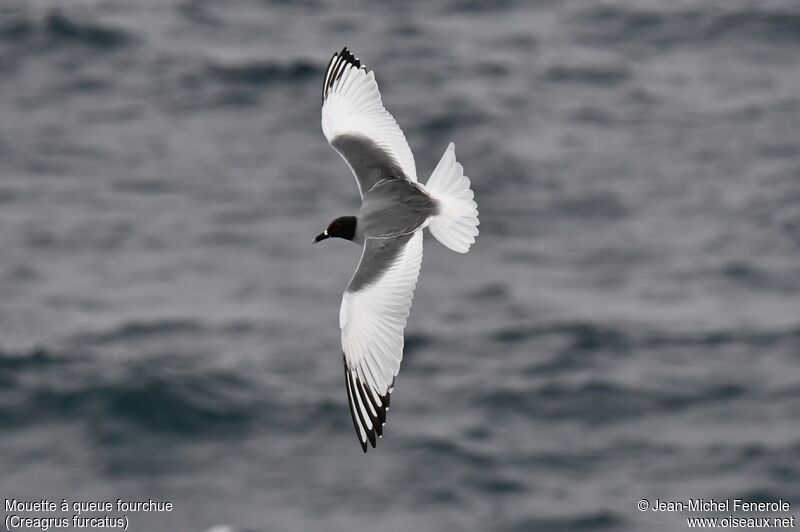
394,210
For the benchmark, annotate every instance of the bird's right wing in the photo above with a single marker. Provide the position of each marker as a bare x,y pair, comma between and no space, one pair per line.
373,315
359,128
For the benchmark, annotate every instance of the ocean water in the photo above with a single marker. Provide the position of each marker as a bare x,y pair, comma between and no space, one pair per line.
627,325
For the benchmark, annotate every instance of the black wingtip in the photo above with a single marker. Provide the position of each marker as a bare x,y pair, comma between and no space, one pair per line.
348,57
360,393
336,67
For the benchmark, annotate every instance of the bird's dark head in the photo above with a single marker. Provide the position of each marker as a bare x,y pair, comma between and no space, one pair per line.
342,227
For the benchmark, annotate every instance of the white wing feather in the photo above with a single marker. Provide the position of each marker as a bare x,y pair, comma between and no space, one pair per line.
352,105
373,319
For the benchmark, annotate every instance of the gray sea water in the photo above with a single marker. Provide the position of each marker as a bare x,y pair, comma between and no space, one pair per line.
627,325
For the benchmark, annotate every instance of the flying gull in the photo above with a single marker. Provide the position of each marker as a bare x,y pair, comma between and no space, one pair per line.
395,208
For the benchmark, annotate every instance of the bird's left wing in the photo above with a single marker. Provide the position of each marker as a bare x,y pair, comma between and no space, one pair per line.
358,126
373,315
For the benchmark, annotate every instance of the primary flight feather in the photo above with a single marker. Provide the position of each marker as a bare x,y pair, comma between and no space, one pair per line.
394,210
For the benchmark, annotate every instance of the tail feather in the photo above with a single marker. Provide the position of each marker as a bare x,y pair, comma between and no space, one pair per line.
456,224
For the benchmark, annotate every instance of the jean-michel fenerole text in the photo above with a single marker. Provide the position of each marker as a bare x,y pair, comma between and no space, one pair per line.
720,505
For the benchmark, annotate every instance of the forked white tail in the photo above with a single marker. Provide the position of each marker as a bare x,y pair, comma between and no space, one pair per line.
456,225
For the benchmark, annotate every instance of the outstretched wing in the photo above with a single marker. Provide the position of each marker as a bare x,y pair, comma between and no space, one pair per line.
373,315
358,126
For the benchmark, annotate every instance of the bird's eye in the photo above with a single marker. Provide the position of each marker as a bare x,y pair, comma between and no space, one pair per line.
337,225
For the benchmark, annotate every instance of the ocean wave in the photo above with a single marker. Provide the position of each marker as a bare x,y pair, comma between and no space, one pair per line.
115,386
598,520
722,337
55,27
453,115
760,22
582,335
37,357
133,334
481,8
429,448
15,27
688,26
593,74
207,404
68,28
199,82
595,337
130,399
262,72
598,401
134,330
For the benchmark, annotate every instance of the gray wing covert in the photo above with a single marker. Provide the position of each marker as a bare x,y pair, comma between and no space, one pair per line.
378,255
369,162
